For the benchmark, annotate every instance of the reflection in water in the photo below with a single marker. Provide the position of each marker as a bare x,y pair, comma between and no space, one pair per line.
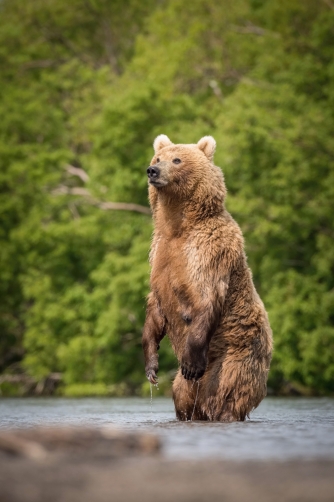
281,428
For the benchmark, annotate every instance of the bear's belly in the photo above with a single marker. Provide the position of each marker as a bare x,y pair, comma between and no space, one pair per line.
172,287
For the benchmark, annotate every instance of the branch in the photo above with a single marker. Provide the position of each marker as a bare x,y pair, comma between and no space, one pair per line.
23,378
77,171
64,190
118,206
124,206
16,379
254,30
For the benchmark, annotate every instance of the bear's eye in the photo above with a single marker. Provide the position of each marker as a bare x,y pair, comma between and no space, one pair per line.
176,161
158,160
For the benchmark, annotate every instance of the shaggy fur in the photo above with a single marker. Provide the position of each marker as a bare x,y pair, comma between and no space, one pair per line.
202,292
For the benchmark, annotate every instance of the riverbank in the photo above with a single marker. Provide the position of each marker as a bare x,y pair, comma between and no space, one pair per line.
84,465
156,479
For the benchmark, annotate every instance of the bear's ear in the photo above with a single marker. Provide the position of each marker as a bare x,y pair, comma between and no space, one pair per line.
160,142
208,146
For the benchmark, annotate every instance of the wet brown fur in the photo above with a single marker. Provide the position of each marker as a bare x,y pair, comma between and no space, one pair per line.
202,292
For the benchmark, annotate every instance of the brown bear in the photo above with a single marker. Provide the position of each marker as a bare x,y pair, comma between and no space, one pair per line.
202,292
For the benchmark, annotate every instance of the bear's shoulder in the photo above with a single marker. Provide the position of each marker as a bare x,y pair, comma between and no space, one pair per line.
218,239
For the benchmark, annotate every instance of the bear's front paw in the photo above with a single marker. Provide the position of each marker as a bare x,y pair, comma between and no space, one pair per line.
193,370
151,374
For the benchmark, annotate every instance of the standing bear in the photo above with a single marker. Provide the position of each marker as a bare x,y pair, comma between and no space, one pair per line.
202,292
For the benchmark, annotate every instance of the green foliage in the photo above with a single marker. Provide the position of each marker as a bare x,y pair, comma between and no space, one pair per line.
89,84
8,389
85,390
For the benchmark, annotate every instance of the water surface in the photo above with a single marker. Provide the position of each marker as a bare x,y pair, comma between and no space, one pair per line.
280,428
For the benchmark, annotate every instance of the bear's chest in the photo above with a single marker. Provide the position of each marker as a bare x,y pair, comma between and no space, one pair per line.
171,277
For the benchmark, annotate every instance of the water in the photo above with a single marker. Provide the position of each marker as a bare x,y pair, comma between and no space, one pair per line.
281,428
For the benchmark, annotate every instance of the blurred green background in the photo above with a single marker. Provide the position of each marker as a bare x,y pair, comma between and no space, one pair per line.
85,86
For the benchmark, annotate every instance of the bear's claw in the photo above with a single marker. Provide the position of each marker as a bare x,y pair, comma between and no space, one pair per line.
152,376
192,373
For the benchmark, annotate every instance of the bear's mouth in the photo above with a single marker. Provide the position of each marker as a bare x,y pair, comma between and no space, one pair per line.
157,183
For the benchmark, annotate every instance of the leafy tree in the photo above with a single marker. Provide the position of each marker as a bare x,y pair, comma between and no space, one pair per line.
86,86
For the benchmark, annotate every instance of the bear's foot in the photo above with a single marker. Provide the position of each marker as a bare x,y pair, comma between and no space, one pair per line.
186,398
227,417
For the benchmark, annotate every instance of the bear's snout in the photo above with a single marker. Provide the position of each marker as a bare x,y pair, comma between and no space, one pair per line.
153,172
158,175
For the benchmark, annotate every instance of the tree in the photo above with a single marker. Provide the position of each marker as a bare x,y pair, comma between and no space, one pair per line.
86,88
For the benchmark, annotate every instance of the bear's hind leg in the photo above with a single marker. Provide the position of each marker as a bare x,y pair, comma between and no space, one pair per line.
185,396
228,413
242,387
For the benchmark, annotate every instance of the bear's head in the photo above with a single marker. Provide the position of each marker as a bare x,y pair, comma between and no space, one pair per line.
185,172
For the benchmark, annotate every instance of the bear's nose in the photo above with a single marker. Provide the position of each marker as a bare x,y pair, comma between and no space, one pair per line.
153,172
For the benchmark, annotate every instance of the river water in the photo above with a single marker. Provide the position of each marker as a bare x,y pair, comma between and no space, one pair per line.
279,429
